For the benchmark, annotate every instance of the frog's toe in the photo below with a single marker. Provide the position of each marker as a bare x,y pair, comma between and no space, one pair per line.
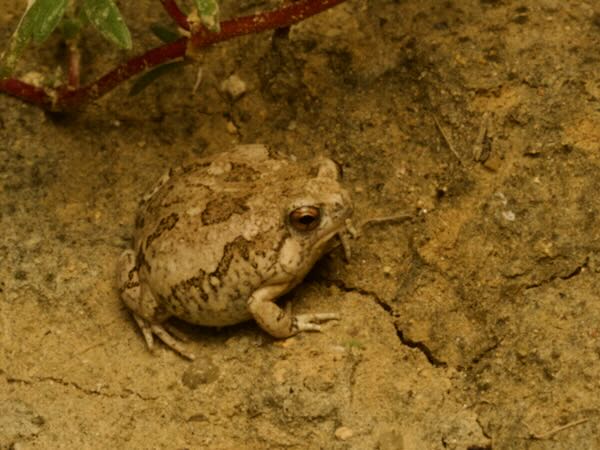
176,332
311,322
170,341
148,330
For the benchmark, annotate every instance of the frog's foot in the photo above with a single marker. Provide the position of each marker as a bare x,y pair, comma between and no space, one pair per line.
164,334
311,322
278,322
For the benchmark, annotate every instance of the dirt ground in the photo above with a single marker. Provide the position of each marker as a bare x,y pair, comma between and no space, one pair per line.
475,324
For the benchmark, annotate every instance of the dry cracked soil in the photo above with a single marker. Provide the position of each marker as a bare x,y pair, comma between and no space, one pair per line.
473,324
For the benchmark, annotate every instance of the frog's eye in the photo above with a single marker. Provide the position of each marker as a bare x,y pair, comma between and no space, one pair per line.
305,218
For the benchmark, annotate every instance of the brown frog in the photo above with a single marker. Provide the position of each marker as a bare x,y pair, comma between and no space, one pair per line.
219,240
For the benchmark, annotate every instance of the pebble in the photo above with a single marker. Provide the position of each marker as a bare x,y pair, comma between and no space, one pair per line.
234,86
344,433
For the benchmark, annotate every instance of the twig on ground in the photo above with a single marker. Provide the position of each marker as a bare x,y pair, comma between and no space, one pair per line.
549,434
480,152
446,138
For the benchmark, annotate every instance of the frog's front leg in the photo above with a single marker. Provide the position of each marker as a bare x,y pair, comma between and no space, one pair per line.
278,322
143,306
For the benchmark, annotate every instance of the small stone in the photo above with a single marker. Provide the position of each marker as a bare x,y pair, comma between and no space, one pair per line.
509,215
231,128
344,433
234,86
202,372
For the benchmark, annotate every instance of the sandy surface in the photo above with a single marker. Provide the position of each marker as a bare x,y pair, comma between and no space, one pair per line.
473,325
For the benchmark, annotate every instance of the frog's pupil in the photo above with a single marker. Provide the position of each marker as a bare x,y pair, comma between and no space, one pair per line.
307,219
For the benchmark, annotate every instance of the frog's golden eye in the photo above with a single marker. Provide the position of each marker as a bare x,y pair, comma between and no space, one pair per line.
305,218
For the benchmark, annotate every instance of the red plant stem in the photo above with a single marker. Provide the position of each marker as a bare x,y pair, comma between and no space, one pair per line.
176,14
65,98
280,18
27,92
69,99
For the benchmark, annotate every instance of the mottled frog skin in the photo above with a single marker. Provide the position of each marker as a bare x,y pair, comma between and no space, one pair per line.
219,240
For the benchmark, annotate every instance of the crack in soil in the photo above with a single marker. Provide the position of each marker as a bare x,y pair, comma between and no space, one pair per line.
487,350
72,384
578,270
426,351
433,360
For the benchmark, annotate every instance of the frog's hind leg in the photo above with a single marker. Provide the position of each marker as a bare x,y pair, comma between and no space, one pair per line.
144,307
149,329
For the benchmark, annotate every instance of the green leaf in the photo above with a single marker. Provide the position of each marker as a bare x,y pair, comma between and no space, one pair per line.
107,19
208,10
164,34
38,21
42,17
142,82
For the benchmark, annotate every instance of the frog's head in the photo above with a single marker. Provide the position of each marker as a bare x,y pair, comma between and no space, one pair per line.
316,214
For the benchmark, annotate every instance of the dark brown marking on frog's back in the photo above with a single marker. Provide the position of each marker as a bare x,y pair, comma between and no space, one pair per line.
158,199
174,201
194,167
239,246
221,209
140,261
132,280
183,292
165,224
241,173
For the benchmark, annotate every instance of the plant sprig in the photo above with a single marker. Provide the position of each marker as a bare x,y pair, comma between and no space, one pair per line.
42,17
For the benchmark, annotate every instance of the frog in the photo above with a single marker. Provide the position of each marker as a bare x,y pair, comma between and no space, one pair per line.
219,240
